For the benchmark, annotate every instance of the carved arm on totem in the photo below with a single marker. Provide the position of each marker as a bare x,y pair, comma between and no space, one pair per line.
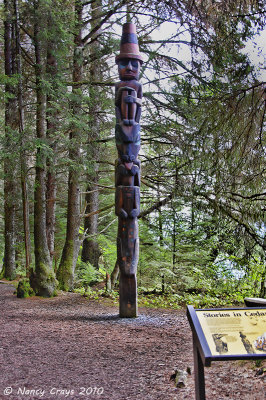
130,98
128,105
127,201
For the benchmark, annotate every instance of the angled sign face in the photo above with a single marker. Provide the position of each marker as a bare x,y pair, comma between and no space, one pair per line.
234,331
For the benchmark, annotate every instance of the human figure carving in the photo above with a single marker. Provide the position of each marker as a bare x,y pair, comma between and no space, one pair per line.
128,97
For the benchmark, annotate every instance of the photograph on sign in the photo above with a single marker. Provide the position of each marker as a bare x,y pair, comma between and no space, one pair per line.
232,332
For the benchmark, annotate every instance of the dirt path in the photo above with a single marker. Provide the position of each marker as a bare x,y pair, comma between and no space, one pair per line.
70,347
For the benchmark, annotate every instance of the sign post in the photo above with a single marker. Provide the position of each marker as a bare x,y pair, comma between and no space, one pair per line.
225,334
199,372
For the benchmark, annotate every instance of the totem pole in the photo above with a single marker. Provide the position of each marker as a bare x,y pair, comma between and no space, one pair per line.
128,95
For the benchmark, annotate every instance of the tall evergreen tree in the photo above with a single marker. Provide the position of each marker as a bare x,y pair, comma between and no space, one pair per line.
22,142
65,274
90,248
11,135
43,278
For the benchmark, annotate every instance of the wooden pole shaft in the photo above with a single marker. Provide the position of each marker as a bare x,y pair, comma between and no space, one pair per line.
128,95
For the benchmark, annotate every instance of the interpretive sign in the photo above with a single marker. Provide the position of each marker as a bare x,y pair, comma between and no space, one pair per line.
225,334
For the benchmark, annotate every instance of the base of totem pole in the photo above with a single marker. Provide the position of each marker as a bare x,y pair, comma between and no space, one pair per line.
128,307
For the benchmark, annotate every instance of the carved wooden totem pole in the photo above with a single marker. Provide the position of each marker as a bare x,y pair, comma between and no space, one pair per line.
128,95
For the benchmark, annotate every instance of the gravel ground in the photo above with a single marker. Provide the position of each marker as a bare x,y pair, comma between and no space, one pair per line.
71,347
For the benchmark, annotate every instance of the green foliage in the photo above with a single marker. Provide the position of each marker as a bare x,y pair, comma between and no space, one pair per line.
258,364
160,301
108,249
86,275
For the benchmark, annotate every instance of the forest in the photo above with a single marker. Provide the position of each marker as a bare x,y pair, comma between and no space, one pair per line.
202,223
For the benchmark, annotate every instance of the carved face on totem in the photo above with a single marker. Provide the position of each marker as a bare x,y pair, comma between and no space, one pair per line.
128,69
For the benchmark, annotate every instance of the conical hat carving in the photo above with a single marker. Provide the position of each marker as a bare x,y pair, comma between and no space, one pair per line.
129,47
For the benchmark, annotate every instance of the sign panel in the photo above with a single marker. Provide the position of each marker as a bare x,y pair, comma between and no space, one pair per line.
231,332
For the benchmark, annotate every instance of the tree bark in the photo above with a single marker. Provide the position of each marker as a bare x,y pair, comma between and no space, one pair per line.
23,159
65,273
114,275
160,228
90,249
43,279
11,125
263,277
52,126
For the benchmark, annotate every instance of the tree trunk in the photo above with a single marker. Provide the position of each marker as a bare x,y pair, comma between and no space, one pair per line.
50,209
43,280
23,160
263,278
66,270
65,273
52,126
160,226
11,125
263,285
90,250
114,275
174,237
